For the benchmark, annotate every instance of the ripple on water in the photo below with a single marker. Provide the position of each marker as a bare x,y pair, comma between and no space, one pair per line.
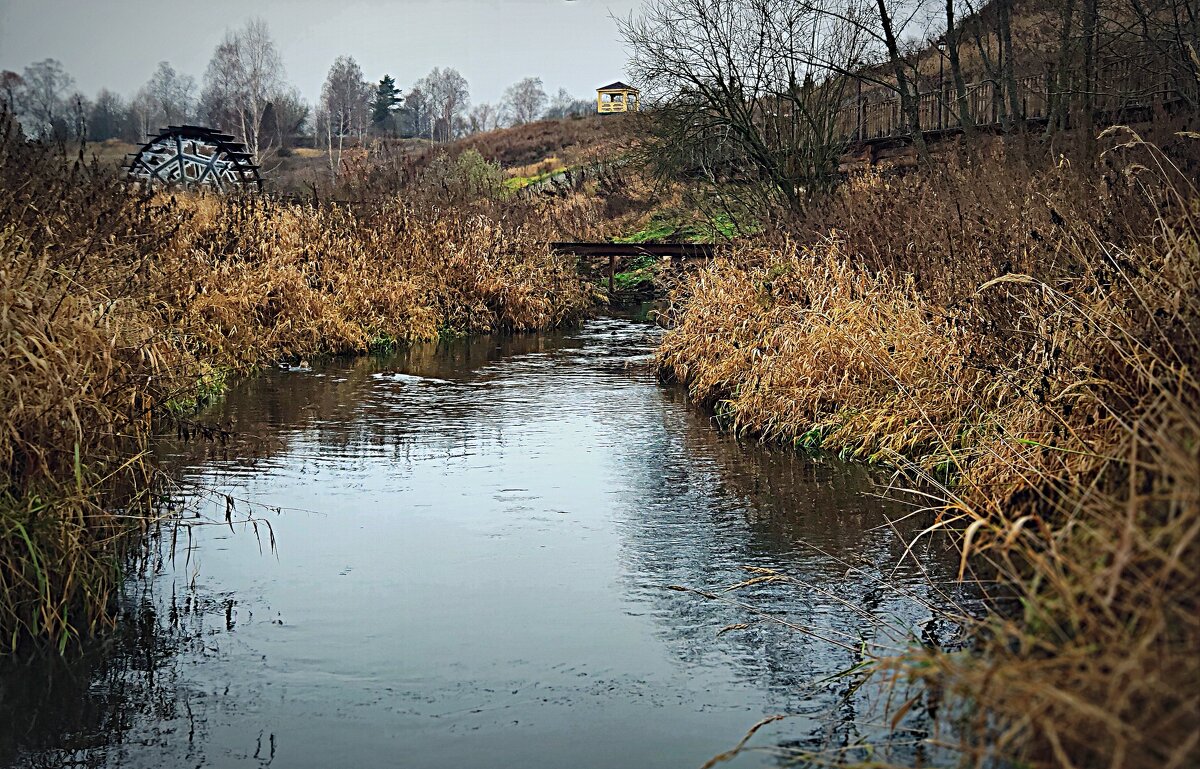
475,551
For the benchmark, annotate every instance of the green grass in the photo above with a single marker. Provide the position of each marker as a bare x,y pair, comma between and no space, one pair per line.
675,226
209,387
515,183
656,230
641,272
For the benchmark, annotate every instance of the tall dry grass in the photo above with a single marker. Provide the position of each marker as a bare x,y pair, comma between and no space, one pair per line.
1047,398
298,280
117,307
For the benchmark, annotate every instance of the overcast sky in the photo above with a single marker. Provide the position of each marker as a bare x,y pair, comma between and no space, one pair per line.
118,43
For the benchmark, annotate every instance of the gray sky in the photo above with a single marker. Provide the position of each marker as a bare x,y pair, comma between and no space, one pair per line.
118,43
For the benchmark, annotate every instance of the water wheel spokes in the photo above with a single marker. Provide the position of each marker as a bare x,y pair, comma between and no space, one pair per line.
195,157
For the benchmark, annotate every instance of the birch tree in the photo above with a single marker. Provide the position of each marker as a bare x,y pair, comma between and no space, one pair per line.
345,107
244,76
484,117
449,99
44,91
525,100
167,98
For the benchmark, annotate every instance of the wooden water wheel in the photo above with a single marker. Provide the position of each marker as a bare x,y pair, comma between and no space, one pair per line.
195,157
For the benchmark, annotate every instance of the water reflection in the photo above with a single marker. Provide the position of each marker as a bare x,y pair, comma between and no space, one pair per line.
475,548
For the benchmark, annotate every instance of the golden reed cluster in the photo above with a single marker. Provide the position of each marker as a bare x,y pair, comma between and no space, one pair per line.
116,307
1021,341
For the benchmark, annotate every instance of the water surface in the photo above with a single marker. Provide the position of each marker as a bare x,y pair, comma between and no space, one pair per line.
474,545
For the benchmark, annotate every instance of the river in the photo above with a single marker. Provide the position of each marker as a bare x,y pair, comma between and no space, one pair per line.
464,558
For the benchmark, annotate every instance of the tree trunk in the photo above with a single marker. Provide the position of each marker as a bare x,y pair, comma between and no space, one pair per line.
1059,96
1008,71
329,146
990,69
1087,123
341,142
965,118
909,104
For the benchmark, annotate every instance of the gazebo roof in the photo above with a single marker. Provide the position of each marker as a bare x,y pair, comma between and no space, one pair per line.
617,86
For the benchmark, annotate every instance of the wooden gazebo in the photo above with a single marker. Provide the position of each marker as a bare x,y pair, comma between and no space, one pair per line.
616,97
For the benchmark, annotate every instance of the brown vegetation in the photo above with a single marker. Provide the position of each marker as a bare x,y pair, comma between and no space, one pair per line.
1020,341
569,138
118,308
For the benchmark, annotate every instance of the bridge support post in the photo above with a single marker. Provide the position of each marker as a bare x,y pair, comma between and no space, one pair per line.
612,273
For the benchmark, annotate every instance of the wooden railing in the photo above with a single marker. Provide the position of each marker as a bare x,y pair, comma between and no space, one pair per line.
1121,86
677,253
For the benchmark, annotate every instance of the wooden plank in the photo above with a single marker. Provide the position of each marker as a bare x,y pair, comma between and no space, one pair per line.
662,250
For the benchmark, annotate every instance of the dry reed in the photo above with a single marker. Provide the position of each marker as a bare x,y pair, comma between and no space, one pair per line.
1047,396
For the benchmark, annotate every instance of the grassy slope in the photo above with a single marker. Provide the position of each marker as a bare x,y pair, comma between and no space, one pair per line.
573,141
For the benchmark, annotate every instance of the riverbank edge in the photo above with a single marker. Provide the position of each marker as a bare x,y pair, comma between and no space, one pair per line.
1064,463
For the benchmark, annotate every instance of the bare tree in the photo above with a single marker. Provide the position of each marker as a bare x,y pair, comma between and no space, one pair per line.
906,87
345,107
950,41
563,104
244,77
44,98
1091,57
167,98
484,117
222,85
1060,84
744,88
525,100
79,108
448,98
109,118
415,114
291,116
11,85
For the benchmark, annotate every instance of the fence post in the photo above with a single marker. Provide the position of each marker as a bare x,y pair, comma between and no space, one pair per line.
1048,103
861,128
941,100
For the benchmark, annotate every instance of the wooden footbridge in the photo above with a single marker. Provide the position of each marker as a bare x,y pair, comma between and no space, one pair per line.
677,253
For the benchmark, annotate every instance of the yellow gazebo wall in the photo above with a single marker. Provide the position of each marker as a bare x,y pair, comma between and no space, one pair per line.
628,103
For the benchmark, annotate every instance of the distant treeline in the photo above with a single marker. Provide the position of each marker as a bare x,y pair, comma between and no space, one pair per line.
245,91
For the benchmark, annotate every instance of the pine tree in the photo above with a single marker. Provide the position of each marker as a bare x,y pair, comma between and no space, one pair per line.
387,101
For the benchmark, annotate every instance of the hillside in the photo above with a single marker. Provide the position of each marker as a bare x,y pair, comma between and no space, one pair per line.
573,140
526,153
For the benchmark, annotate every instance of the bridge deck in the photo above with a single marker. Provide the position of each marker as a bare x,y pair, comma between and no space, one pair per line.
662,250
676,252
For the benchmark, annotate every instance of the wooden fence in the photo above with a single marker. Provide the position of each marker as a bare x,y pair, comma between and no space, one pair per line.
1120,86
